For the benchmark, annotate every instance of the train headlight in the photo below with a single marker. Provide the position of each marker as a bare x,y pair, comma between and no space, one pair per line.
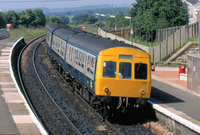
142,92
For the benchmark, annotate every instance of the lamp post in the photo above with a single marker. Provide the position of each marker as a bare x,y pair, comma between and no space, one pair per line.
199,32
112,16
131,29
97,14
105,24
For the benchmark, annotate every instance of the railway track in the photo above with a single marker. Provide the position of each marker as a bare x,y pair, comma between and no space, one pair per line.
40,86
56,105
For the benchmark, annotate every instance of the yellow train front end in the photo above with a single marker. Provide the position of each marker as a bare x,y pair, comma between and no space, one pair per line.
123,72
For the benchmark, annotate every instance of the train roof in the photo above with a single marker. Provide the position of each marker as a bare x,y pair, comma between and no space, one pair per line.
95,43
88,41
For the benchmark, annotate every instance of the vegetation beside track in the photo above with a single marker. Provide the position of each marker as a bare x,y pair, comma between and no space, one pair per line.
28,32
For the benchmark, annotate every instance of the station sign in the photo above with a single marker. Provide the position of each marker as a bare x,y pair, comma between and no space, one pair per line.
8,26
83,28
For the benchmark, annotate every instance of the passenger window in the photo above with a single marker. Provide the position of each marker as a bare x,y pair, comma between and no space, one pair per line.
140,71
109,69
125,70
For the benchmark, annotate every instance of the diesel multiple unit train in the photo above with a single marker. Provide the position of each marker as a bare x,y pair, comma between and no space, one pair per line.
107,73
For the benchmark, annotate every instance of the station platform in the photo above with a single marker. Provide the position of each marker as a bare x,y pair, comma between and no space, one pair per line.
15,115
171,93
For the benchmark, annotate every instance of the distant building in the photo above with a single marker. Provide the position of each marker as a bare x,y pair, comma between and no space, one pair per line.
193,6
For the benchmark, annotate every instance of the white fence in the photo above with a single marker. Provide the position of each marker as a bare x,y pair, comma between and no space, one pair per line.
4,34
167,46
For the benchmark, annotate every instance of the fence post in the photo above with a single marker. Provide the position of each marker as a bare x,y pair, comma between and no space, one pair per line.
173,40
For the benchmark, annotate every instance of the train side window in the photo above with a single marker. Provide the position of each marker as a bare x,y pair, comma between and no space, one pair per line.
125,70
141,71
71,53
109,69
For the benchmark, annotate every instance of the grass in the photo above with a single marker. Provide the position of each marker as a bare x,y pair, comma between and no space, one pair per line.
142,42
88,27
35,32
28,32
191,39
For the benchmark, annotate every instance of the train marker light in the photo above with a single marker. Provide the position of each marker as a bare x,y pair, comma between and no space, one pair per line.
106,90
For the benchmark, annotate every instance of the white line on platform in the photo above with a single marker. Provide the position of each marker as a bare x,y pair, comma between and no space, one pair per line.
6,83
5,51
8,48
22,119
8,89
4,65
7,67
4,58
4,72
4,61
5,54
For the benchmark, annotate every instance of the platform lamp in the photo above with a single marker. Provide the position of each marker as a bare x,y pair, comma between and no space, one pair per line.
131,29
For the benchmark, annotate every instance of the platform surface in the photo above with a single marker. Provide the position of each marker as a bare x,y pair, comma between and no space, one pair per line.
172,93
15,117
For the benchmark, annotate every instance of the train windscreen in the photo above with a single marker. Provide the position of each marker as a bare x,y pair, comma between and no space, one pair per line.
125,70
109,69
141,71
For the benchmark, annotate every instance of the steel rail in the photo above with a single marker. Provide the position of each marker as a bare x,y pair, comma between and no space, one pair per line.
68,120
23,87
117,131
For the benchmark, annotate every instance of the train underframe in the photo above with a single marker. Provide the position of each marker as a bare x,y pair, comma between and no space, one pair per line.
106,105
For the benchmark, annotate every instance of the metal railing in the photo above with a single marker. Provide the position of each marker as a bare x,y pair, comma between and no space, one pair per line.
4,34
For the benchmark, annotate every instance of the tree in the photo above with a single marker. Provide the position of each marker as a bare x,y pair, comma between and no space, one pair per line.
65,19
80,19
121,21
54,19
110,22
12,18
151,15
91,19
22,19
30,17
2,20
39,19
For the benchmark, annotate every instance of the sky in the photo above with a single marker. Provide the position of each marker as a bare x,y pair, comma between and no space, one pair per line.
21,4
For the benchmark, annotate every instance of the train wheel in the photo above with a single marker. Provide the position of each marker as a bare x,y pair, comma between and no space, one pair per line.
73,86
106,111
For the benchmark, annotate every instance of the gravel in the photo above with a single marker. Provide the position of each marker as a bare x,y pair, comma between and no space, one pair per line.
81,116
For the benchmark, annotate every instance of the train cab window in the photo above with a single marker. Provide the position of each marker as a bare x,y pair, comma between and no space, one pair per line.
109,69
140,71
125,70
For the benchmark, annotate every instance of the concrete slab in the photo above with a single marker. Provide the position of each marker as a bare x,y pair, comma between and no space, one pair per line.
22,119
18,109
7,124
15,116
28,129
9,89
13,97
